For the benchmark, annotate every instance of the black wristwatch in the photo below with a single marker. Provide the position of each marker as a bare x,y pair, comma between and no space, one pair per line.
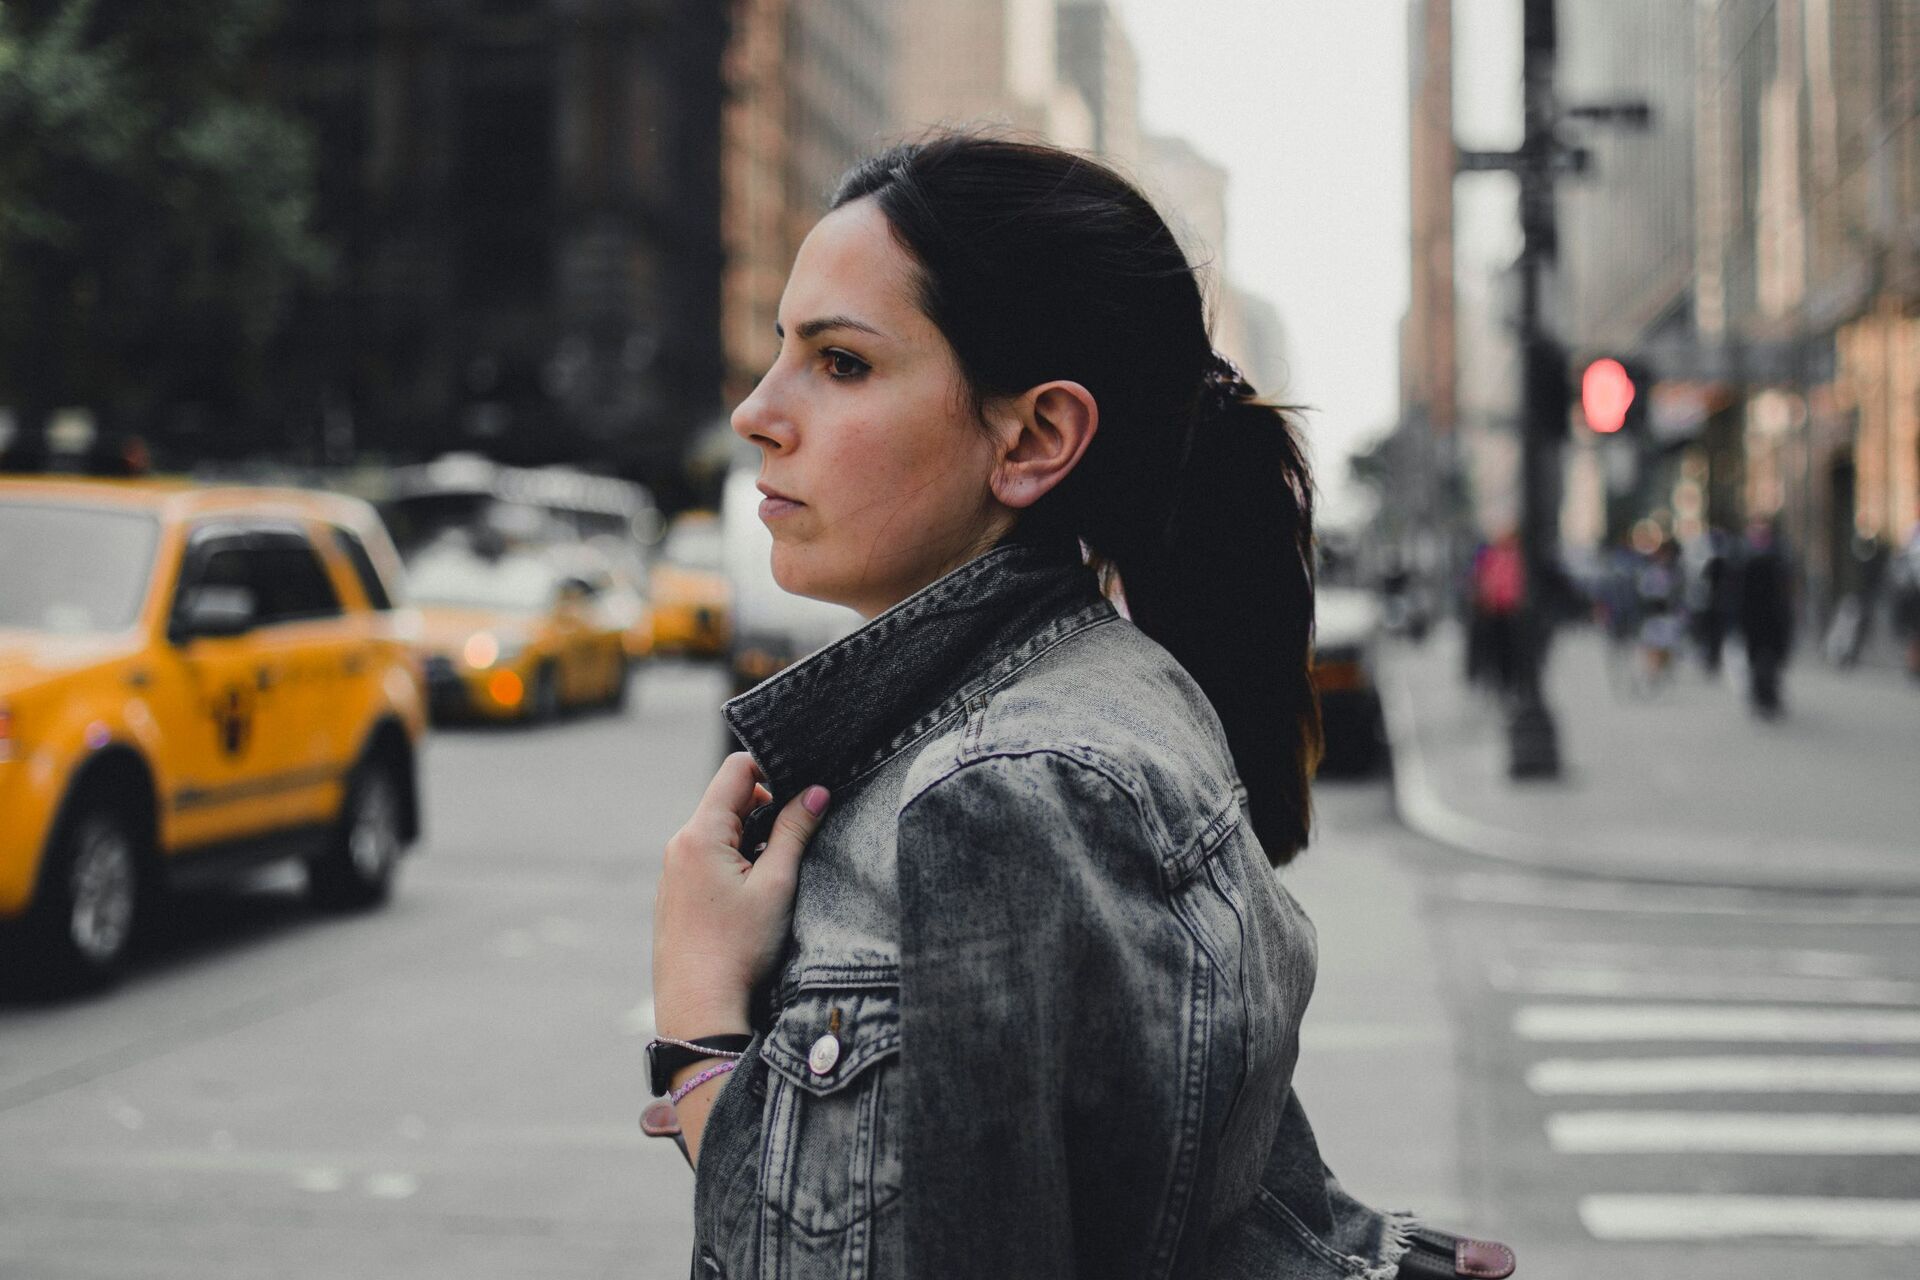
664,1059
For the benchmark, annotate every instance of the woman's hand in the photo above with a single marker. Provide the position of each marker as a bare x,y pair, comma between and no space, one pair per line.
719,920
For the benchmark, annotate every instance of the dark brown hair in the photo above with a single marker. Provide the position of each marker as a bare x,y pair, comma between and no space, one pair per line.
1038,264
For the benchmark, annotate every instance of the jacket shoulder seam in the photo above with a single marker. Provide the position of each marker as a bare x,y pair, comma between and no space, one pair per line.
1083,758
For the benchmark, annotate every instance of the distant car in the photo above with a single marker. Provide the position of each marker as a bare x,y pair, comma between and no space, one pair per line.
193,681
1346,627
691,597
513,636
771,628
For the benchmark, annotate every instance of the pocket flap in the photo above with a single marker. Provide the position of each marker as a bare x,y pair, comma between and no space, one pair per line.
828,1036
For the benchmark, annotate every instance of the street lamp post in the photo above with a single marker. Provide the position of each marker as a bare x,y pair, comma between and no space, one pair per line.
1542,158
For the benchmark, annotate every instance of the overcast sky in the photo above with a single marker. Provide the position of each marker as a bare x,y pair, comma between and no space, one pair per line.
1305,101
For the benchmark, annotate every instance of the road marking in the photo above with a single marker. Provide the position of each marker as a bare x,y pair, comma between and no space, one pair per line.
1600,1022
1743,1132
390,1186
1574,893
1724,1075
1625,983
1711,1217
1362,1037
1547,951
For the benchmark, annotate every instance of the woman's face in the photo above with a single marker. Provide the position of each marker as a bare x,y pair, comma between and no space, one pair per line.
874,465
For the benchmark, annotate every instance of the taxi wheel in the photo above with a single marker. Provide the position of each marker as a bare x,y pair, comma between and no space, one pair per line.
363,852
543,706
622,676
89,899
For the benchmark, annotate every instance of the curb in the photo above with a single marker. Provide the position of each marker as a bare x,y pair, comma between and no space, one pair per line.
1421,808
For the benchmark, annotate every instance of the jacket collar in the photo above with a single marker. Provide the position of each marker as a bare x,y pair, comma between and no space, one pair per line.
835,714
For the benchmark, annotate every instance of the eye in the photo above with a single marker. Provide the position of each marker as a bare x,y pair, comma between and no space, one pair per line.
843,366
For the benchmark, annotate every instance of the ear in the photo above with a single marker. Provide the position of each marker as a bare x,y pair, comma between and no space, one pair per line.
1046,432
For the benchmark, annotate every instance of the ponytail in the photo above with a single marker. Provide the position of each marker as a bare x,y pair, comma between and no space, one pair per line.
1229,593
1037,264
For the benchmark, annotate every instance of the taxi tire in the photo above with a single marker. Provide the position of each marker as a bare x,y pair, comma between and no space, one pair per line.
543,703
351,876
95,853
617,696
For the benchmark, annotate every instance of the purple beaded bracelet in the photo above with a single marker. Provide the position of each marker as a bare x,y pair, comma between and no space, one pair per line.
717,1069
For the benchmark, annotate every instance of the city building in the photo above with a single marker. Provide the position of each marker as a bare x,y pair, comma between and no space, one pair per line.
1808,161
809,92
1096,57
524,199
1758,250
991,63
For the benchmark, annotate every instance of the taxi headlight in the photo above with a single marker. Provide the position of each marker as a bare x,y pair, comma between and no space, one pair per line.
483,649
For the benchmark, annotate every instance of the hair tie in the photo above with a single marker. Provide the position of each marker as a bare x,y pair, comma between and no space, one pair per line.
1222,386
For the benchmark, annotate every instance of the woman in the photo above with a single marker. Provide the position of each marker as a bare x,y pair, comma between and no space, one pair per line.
1029,1004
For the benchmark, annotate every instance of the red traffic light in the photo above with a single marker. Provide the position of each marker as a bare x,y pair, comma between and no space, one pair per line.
1606,394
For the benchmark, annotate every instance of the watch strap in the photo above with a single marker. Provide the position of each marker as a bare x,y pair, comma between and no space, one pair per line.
664,1059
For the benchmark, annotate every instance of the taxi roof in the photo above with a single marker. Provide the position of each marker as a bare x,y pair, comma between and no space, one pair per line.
176,498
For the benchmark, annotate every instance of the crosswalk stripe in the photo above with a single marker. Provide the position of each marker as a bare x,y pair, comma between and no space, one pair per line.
1600,981
1721,1217
1604,1022
1724,1075
1743,1132
1807,962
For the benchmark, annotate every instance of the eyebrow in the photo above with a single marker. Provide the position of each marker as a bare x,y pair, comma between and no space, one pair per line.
814,328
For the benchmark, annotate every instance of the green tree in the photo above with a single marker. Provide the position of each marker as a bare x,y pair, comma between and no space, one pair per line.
155,208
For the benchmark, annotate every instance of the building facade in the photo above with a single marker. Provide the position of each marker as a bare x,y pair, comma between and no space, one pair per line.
809,92
1096,57
524,197
987,63
1809,281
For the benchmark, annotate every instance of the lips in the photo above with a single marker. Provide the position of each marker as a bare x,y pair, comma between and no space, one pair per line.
776,504
775,495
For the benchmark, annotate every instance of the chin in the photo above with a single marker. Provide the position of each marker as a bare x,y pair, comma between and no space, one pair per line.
798,573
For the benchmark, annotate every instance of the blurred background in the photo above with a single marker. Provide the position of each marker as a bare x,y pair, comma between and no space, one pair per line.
364,378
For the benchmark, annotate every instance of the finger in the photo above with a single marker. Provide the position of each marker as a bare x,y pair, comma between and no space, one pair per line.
761,795
731,791
798,820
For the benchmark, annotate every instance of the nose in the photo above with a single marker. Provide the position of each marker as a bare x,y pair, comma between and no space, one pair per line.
760,420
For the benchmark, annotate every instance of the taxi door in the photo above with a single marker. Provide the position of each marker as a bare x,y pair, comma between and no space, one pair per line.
312,642
223,704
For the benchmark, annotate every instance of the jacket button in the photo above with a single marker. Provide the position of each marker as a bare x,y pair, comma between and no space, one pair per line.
825,1052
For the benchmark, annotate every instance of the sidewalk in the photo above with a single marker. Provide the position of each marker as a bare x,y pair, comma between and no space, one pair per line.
1685,787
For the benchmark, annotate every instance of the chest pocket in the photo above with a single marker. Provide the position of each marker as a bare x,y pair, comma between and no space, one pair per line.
832,1149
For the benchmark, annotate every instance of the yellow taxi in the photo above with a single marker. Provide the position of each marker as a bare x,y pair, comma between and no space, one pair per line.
193,681
692,600
521,634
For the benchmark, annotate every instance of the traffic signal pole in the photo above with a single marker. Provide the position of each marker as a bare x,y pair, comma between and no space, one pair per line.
1545,402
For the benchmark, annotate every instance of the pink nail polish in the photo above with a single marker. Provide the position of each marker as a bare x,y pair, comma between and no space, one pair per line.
814,801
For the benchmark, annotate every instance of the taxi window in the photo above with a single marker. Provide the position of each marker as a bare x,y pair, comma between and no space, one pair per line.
288,579
356,553
88,569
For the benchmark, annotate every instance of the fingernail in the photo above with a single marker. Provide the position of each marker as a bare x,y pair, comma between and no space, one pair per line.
814,800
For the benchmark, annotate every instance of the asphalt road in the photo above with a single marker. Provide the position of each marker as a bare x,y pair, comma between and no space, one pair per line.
448,1087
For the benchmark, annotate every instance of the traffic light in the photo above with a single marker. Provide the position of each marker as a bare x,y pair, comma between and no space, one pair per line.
1612,397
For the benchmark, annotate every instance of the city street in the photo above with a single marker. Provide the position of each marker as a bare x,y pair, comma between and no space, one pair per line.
1600,1074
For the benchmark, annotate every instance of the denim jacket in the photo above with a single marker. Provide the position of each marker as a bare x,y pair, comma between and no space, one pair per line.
1040,1008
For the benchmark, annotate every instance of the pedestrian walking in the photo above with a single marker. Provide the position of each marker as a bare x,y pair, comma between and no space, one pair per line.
1499,590
1709,599
1766,617
1011,989
1660,606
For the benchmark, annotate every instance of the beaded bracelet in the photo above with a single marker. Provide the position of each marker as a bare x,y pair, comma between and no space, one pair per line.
701,1049
717,1069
